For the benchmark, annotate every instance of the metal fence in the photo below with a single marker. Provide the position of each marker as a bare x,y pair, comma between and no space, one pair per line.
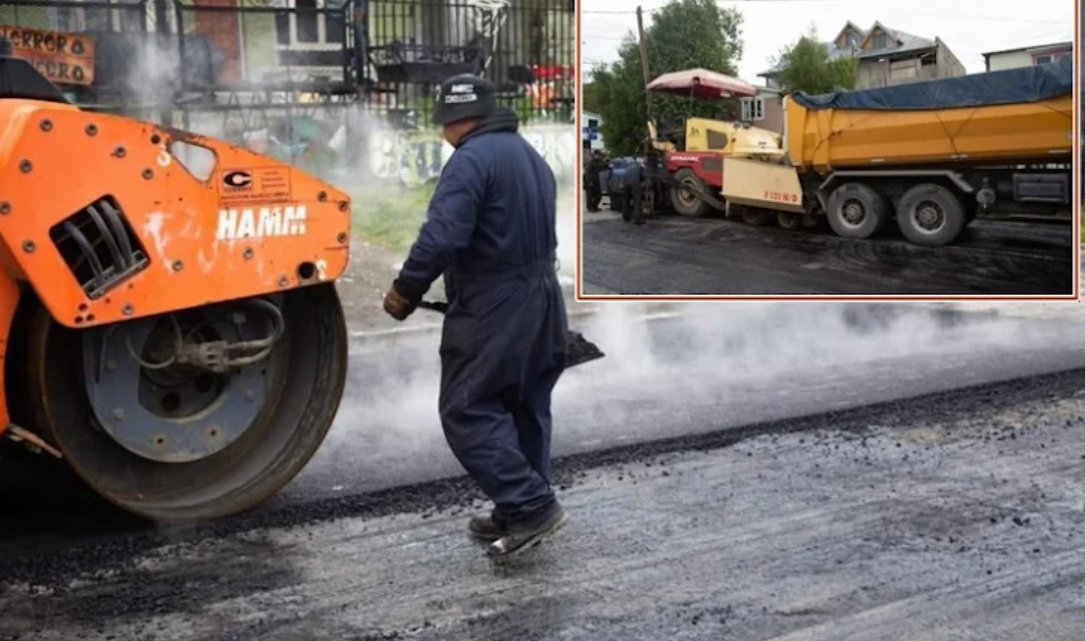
525,47
383,56
336,87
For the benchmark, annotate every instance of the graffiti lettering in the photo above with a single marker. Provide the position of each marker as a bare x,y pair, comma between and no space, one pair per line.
415,158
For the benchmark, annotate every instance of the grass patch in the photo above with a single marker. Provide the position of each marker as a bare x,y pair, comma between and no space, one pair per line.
391,215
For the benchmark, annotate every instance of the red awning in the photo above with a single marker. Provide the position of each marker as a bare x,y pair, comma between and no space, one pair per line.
702,83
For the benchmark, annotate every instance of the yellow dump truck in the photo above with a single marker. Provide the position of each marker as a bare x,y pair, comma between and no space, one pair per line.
934,155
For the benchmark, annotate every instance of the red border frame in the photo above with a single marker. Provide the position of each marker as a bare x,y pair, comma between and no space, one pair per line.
1076,228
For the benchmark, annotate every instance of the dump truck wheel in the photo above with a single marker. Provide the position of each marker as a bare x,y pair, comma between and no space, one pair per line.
172,441
756,217
788,220
684,195
856,211
931,215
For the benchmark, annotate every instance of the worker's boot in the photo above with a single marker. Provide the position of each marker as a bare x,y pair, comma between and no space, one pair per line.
520,540
487,528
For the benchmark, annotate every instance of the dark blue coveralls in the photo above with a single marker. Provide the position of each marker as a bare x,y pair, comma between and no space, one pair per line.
490,230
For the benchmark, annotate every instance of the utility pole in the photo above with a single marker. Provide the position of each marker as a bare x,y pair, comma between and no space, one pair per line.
648,156
643,48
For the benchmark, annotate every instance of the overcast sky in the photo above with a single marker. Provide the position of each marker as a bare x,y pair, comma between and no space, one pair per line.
969,27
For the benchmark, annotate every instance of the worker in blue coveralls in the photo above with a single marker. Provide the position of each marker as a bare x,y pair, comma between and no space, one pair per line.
491,231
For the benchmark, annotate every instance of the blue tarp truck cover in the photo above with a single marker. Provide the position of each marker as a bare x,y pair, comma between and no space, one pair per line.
1008,86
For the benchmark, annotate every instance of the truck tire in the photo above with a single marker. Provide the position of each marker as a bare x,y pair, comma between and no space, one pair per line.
684,195
856,211
931,215
755,216
789,220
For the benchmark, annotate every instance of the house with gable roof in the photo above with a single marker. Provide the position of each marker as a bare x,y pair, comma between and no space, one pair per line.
889,56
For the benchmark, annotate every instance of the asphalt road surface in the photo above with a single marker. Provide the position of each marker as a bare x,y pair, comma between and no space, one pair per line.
671,255
845,473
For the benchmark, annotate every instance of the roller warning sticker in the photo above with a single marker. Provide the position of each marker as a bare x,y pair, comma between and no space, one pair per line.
261,185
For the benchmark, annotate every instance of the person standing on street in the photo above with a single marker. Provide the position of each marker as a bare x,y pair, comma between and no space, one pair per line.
591,180
491,231
632,189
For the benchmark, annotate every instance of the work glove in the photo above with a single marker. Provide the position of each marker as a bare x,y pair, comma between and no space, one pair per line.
397,305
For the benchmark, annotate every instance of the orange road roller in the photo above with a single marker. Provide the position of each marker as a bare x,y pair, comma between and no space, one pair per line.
169,322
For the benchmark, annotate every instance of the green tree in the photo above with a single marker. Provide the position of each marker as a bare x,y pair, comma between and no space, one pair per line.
805,65
590,97
683,34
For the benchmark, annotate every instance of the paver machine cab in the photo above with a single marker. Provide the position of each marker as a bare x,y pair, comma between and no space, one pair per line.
169,328
693,167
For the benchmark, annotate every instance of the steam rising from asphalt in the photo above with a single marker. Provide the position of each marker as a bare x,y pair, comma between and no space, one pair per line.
655,374
712,348
154,72
389,423
566,227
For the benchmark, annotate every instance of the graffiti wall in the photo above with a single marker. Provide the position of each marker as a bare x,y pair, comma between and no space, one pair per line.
416,157
340,144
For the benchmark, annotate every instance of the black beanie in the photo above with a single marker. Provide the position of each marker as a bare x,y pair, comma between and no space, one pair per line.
464,96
